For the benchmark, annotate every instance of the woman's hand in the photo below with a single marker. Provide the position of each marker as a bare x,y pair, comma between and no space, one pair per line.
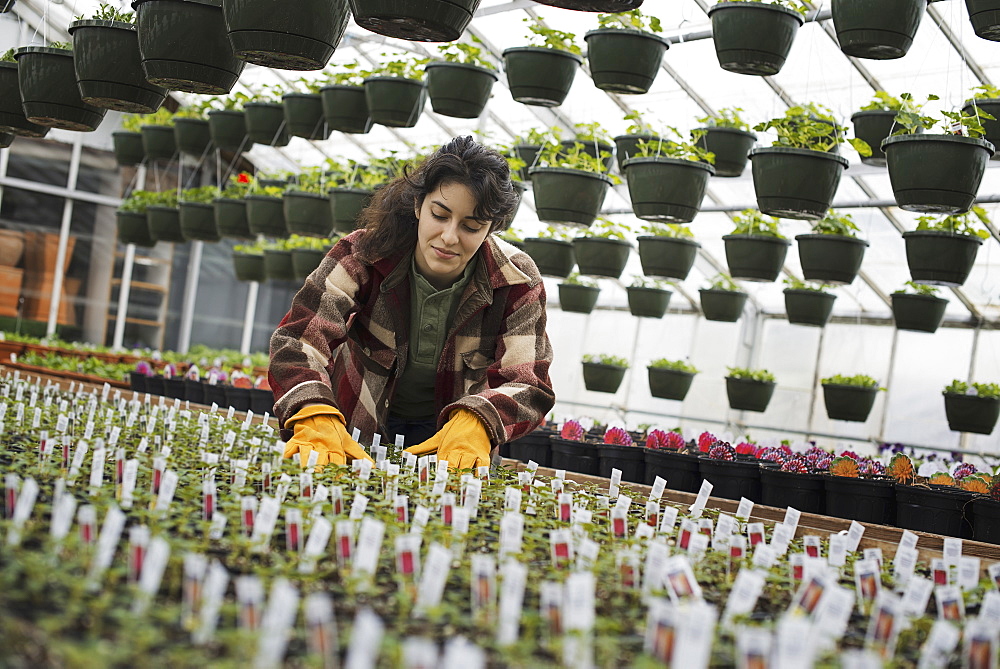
320,428
462,441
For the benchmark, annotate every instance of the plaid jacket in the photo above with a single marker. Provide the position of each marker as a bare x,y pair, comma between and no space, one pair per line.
345,341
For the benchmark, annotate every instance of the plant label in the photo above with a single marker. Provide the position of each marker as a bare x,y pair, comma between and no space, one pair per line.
369,546
97,471
513,576
402,506
167,490
940,572
107,542
747,587
483,584
62,517
873,554
564,507
278,619
697,547
321,628
511,534
657,554
627,566
884,625
812,546
615,486
248,514
293,530
968,573
724,527
152,573
421,516
990,607
305,484
460,522
834,611
408,555
218,528
532,467
22,510
551,607
358,506
86,516
838,549
699,503
705,526
792,516
941,643
512,499
789,649
10,495
447,508
557,486
764,556
744,509
662,632
652,513
994,572
680,581
668,519
36,420
434,577
904,564
867,579
854,535
267,518
345,542
952,550
688,529
619,523
781,537
908,539
916,596
561,546
796,562
586,554
578,599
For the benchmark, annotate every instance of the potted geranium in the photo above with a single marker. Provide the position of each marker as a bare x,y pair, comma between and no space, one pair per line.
603,373
755,37
230,207
880,31
667,178
987,98
627,145
416,20
874,122
345,107
937,173
307,204
985,18
624,52
266,211
749,389
49,94
648,298
568,186
159,140
12,118
304,111
542,74
301,40
552,251
602,249
943,249
578,294
595,142
248,262
307,253
197,214
667,250
755,249
728,137
191,130
849,398
917,307
163,217
265,118
670,379
131,220
396,93
831,253
807,304
669,456
460,84
227,123
723,301
972,407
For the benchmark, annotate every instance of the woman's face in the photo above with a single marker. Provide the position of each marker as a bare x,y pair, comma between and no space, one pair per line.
448,234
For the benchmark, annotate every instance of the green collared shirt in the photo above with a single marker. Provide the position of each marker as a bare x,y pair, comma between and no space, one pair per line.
431,314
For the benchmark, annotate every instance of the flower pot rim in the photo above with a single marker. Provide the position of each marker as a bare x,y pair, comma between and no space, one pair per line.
603,365
989,101
261,103
588,142
278,251
955,139
126,132
194,204
649,289
228,199
678,240
601,240
22,50
933,298
576,285
872,112
760,383
826,155
341,189
839,238
544,49
402,80
210,3
264,198
735,131
155,125
807,291
549,240
723,291
570,170
679,372
941,233
8,64
627,31
970,397
160,207
463,66
302,193
248,255
527,146
756,5
647,135
296,94
190,119
225,112
99,23
708,167
767,238
849,386
335,87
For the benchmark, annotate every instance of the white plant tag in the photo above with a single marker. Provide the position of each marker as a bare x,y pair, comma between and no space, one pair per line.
153,566
747,588
366,638
917,595
278,620
369,547
699,503
668,519
764,557
854,535
941,643
107,542
744,510
511,533
792,519
435,575
968,573
838,549
514,576
659,485
904,564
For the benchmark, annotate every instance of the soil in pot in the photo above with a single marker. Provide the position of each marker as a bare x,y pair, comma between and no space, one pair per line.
533,446
596,256
459,90
863,500
970,413
624,61
49,92
722,305
648,302
795,183
601,378
553,257
303,39
808,307
669,384
850,403
566,195
730,146
935,509
936,174
918,313
680,470
667,256
578,299
415,20
830,258
394,101
575,456
805,492
667,189
939,257
732,479
631,460
346,109
753,38
755,257
540,76
308,214
749,395
231,218
879,31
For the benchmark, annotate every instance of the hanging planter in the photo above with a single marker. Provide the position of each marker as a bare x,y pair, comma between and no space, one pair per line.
669,384
229,130
753,37
266,216
731,147
133,229
594,148
553,257
164,224
597,256
874,126
193,136
109,70
565,195
606,6
627,146
527,153
808,307
266,123
648,302
304,115
578,298
624,61
458,89
795,183
6,139
158,142
263,34
991,127
12,118
198,222
415,20
880,31
278,265
305,262
722,305
603,377
231,218
185,47
540,76
970,413
848,402
936,173
128,148
918,313
940,258
308,214
666,189
748,394
985,18
346,205
755,257
830,258
249,267
345,108
49,94
395,102
669,257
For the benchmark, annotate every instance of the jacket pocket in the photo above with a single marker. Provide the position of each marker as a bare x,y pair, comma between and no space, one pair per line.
476,360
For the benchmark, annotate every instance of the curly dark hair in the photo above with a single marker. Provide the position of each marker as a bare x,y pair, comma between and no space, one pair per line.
390,221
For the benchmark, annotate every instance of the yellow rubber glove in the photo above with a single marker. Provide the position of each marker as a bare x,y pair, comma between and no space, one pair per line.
320,427
462,441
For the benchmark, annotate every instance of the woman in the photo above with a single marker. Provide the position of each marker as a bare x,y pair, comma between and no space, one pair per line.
422,323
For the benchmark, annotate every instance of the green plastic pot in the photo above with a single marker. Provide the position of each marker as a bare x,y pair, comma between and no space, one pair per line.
918,313
395,102
648,302
627,146
308,214
936,174
873,126
6,139
249,267
345,109
266,123
278,265
596,256
304,115
231,218
749,395
970,413
459,90
605,6
667,257
565,195
669,384
594,149
808,307
527,153
830,258
755,257
198,222
265,32
624,61
940,258
553,257
725,306
12,118
540,76
666,189
305,261
193,136
49,94
992,107
229,130
346,205
752,37
795,183
731,147
185,46
266,216
850,403
578,299
601,378
109,70
128,148
985,18
164,224
415,20
133,229
878,30
158,142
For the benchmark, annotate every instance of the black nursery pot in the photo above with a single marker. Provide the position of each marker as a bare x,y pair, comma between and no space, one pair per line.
732,479
936,509
749,395
631,460
624,61
830,258
231,218
346,205
863,500
805,492
158,142
164,224
137,382
194,391
626,146
850,403
238,398
266,33
985,18
564,195
533,446
155,385
229,130
730,146
795,183
669,384
939,257
574,456
668,257
266,123
395,102
753,38
266,216
680,470
308,214
918,313
304,115
346,109
12,118
578,299
936,174
198,222
215,395
648,302
553,257
193,136
596,256
527,153
755,257
415,20
133,229
49,93
880,31
175,389
873,126
722,305
606,6
128,148
109,70
987,520
970,413
808,307
261,401
540,76
667,189
459,90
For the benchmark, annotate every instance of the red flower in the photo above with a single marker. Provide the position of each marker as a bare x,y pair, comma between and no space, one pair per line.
243,178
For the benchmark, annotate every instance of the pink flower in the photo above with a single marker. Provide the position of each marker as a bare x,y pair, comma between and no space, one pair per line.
705,441
618,437
572,431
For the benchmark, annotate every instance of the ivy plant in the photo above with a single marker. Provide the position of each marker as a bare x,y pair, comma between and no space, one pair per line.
910,119
724,282
349,74
202,194
553,154
405,67
591,132
728,117
752,222
8,56
882,101
467,54
670,144
550,38
912,288
68,46
859,380
751,374
312,180
646,282
631,20
958,224
637,124
107,12
556,232
606,359
674,365
957,387
574,279
835,224
811,127
794,283
605,228
300,242
671,230
986,92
